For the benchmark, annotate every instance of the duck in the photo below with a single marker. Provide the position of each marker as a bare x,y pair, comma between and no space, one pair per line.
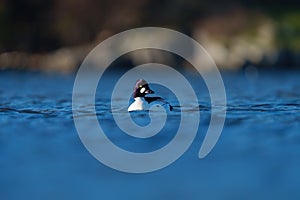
143,102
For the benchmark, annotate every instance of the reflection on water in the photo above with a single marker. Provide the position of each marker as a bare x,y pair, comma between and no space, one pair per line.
257,156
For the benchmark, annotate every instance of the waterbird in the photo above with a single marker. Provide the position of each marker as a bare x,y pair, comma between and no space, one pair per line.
143,102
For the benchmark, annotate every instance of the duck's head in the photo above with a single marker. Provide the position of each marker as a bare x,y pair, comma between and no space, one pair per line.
141,88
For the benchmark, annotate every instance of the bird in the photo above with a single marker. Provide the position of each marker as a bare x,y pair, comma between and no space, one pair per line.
143,102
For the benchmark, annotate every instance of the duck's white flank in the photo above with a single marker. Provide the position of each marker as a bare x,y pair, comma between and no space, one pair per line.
138,104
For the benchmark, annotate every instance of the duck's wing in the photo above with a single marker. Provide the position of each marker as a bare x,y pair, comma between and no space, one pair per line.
151,99
164,102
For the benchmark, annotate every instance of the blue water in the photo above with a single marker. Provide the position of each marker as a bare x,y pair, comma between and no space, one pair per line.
257,155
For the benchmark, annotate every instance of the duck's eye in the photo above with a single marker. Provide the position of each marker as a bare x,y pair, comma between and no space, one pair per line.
142,90
140,86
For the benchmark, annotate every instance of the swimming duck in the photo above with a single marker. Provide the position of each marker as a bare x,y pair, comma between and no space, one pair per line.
141,101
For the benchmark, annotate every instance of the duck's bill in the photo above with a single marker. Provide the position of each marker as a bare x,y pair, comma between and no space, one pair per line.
149,91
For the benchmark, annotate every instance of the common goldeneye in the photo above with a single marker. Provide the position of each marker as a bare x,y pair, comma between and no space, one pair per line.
141,102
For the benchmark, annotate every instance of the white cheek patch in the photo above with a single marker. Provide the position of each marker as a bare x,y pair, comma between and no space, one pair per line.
142,90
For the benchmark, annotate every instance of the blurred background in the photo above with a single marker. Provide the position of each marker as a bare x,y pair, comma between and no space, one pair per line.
255,43
54,35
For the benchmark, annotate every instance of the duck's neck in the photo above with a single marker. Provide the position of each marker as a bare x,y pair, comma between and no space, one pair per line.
139,98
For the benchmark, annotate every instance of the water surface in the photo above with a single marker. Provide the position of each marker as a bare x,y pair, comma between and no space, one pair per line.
257,155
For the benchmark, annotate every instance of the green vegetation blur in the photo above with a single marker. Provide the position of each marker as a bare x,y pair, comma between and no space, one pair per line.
234,32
